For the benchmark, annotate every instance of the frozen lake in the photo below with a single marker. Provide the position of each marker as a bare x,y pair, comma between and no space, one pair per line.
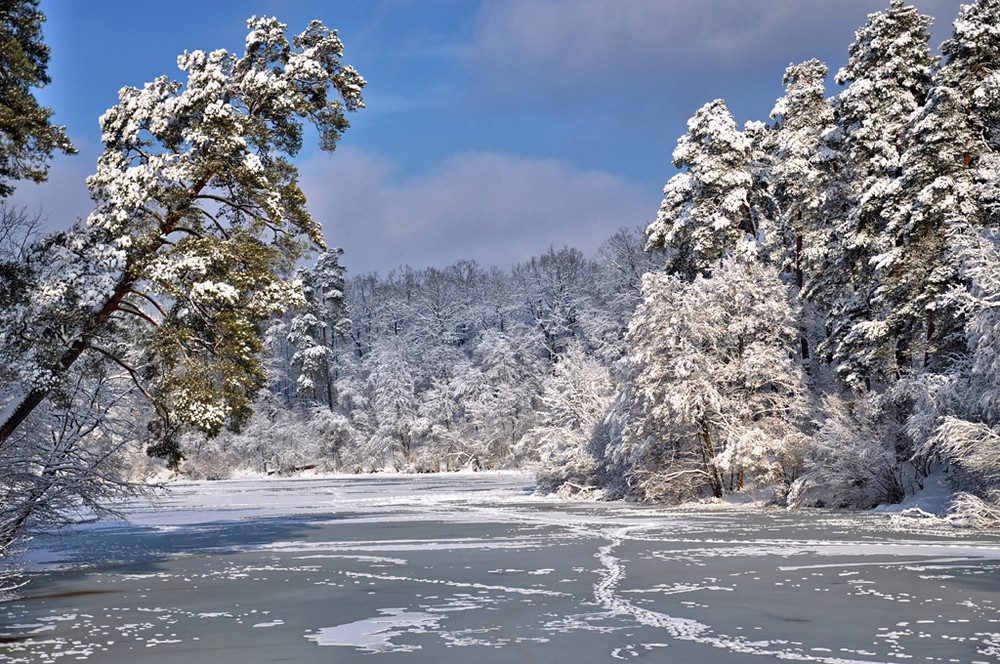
474,568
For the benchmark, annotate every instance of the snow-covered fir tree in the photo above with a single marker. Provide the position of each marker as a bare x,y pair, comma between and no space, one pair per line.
887,79
709,209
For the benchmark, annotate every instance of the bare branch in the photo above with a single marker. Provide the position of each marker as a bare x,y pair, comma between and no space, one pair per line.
127,308
149,299
133,374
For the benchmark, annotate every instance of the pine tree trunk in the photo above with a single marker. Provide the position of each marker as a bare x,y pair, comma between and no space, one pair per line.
330,396
69,357
800,282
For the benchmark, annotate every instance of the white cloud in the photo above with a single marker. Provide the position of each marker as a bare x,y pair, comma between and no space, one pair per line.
556,51
496,209
64,197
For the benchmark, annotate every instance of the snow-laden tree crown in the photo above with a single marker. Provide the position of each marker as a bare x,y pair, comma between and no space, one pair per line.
198,219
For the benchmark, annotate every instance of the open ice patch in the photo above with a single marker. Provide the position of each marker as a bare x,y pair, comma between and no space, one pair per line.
376,634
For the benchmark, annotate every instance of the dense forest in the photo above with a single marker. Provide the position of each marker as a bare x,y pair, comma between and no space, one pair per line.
812,318
438,369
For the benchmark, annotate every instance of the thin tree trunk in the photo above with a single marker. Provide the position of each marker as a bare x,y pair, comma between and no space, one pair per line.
330,397
800,281
708,457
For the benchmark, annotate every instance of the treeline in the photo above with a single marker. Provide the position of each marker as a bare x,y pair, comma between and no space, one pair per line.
433,369
826,329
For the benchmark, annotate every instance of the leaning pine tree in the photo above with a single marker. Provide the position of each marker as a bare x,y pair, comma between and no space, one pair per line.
198,221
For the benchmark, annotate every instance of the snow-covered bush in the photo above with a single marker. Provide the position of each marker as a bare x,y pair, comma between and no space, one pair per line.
71,463
973,450
334,437
851,461
974,511
275,441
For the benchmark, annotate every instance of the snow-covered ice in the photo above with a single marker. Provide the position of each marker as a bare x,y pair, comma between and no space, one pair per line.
474,565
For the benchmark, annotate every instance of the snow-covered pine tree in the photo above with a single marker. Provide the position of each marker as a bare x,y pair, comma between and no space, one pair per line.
800,171
968,432
887,78
198,218
316,328
800,164
951,155
708,210
27,136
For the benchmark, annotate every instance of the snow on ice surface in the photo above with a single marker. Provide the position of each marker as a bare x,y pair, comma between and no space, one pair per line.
376,634
452,567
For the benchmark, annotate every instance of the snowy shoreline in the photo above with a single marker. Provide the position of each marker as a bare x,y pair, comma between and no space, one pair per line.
929,505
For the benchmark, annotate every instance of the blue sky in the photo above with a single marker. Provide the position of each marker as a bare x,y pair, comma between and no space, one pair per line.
493,128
